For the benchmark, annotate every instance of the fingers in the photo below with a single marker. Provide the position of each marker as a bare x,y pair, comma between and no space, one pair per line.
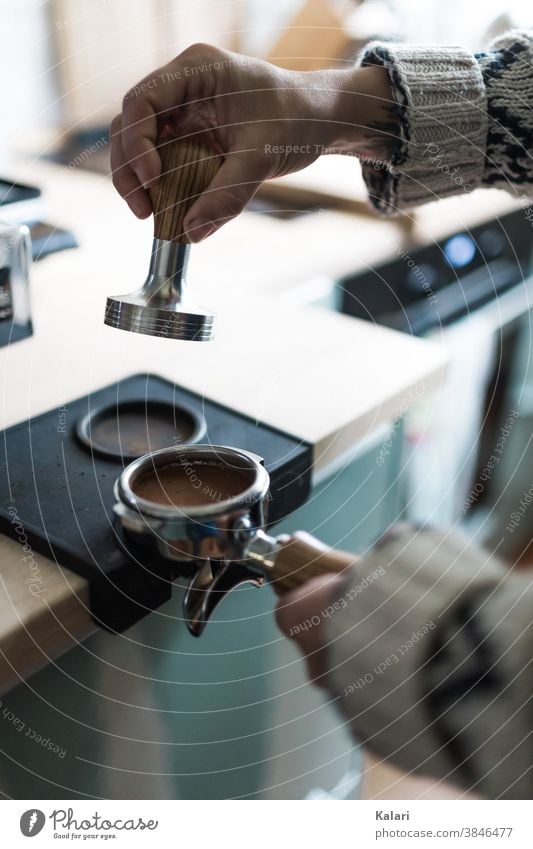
299,615
229,192
125,180
144,108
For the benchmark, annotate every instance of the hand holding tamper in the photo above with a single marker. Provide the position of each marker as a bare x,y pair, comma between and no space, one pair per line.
162,306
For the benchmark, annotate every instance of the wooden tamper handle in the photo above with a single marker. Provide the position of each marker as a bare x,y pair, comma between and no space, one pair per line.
302,557
186,171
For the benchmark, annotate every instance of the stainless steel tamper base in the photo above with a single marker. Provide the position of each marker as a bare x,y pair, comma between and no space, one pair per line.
160,307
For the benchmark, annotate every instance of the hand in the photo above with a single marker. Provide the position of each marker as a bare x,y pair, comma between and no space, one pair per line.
265,120
307,604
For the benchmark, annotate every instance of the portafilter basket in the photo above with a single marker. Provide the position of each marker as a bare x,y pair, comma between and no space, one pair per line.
162,306
217,540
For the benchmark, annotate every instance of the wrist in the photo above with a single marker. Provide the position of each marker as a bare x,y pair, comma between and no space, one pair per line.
360,113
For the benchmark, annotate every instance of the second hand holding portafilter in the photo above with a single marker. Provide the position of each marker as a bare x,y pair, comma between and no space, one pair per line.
162,306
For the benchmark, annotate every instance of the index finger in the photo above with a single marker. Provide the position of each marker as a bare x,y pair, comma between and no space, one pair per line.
143,108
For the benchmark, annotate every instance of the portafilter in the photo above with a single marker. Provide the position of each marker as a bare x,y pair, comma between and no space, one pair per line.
203,510
162,306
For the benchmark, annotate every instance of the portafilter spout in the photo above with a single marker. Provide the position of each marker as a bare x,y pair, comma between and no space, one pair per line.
162,306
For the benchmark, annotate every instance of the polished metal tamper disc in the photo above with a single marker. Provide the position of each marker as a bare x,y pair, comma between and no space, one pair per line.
162,306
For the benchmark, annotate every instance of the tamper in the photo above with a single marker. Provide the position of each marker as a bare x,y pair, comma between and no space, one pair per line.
162,306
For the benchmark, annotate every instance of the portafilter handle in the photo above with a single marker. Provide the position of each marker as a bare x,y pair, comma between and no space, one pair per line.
287,562
290,561
162,307
187,169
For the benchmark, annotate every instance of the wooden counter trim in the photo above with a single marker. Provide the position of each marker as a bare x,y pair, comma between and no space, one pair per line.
34,629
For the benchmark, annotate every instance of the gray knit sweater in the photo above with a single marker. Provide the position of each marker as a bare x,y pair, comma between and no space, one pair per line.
431,649
465,121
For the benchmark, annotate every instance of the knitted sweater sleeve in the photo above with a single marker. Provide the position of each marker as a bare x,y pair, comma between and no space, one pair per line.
465,121
430,661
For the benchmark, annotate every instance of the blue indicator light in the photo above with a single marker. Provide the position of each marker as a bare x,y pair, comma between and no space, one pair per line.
460,250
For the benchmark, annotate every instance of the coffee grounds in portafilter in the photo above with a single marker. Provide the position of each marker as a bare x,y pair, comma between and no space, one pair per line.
185,485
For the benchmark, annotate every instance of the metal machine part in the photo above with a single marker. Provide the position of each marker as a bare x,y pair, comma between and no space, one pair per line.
423,289
15,264
162,307
215,537
471,291
220,543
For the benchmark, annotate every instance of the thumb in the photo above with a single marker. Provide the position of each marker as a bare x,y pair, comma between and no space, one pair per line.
229,192
300,615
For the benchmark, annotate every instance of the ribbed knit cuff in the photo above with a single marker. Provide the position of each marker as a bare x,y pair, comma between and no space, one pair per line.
381,641
508,77
441,105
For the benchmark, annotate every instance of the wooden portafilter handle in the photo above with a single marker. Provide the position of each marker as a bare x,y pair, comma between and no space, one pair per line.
186,171
301,557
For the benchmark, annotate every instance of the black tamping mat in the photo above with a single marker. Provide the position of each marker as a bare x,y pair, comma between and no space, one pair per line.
58,495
